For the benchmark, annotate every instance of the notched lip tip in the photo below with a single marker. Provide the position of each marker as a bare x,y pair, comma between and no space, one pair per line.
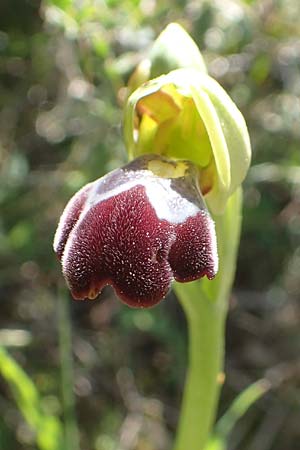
210,276
89,296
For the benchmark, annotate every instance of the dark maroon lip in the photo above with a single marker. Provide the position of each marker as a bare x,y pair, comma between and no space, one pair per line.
138,232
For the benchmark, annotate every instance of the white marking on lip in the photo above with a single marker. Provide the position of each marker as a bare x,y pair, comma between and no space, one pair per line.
168,204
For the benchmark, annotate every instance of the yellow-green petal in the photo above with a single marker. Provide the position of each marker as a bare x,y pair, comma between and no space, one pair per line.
234,129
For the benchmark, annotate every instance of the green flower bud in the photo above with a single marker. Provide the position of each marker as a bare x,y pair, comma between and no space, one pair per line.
173,49
186,114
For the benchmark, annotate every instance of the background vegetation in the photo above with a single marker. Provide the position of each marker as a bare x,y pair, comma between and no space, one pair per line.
63,64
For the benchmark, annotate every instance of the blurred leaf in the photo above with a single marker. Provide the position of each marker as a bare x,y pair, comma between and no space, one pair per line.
21,234
261,68
235,412
47,428
62,4
216,443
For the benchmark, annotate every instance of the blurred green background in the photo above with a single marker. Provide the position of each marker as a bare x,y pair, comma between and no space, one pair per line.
63,65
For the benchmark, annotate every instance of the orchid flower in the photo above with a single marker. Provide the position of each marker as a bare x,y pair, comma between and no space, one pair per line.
126,229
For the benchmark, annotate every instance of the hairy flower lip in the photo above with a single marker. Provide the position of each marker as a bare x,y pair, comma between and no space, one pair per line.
137,228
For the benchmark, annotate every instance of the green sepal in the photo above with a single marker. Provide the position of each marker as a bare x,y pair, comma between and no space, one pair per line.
222,151
174,49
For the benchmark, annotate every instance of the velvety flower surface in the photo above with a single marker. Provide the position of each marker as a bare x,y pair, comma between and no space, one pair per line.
137,228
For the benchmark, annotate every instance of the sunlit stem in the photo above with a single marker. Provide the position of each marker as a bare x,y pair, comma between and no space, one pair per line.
67,376
205,304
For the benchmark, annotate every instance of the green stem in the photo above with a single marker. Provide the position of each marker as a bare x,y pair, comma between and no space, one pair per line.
67,376
205,305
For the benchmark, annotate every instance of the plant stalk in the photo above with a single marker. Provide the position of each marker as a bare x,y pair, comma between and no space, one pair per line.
205,305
